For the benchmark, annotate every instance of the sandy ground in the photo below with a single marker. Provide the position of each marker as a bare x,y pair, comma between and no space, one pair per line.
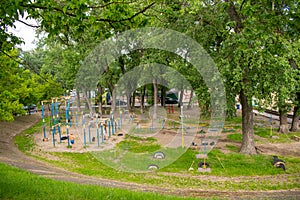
167,137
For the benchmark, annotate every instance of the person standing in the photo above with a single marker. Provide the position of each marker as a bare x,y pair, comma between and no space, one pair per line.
72,140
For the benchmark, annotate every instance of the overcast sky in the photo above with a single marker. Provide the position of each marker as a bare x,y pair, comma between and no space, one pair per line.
25,32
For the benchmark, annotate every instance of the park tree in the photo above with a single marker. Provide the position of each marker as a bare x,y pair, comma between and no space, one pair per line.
203,21
246,42
20,87
78,25
294,62
286,27
246,39
10,87
254,58
44,82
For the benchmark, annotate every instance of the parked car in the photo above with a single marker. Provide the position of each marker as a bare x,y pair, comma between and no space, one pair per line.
120,103
170,100
31,108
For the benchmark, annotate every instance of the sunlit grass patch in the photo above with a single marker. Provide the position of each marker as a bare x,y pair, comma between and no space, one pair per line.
18,184
139,144
232,148
235,137
25,140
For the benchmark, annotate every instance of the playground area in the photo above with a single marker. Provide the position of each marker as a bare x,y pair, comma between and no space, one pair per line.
10,154
112,138
173,130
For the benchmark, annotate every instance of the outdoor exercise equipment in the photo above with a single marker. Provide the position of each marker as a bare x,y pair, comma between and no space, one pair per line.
67,105
182,127
191,168
121,115
97,135
55,120
159,155
89,132
112,124
108,125
163,123
203,166
43,121
59,132
53,135
278,163
64,137
271,134
84,136
153,167
102,133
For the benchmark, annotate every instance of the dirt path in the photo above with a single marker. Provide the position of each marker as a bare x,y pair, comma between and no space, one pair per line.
11,155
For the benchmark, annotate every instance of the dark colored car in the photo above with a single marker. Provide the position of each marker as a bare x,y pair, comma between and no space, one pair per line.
170,100
120,103
30,108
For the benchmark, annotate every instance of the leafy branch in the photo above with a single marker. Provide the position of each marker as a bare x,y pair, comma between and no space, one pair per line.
28,66
71,14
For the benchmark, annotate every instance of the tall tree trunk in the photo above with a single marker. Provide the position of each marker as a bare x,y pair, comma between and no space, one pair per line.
248,146
87,96
133,100
128,98
113,101
191,98
155,98
180,97
100,100
142,99
78,101
296,115
163,96
295,121
284,126
127,86
113,97
87,100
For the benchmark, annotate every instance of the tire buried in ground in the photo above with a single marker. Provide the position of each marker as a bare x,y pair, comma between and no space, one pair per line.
159,155
153,167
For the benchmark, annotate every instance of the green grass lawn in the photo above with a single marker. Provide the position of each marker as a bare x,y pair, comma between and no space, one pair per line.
25,141
138,145
279,137
234,120
18,184
235,137
223,165
234,164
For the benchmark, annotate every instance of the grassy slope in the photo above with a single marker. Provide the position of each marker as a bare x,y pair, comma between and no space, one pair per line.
18,184
232,164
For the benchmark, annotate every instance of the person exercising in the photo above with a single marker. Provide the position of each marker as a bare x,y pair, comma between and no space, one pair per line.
72,140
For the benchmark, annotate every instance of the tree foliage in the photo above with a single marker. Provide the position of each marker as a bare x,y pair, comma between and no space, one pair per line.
20,87
254,44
